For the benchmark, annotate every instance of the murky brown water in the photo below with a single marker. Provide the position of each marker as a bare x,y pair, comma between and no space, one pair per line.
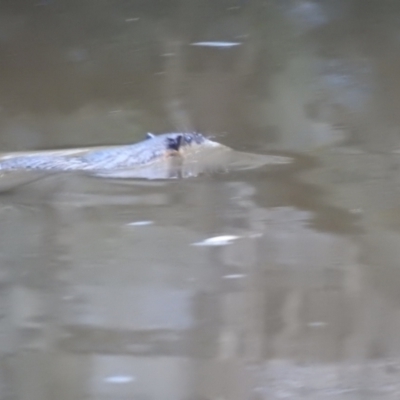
267,283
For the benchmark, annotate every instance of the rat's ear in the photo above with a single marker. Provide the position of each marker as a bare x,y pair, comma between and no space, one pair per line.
174,143
150,135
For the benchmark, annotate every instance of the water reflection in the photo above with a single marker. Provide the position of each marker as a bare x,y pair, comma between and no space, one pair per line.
121,300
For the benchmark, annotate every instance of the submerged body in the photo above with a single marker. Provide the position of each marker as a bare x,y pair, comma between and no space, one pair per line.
166,156
152,150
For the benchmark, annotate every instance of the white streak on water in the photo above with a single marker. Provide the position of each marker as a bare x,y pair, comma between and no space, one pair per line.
140,223
120,379
217,241
216,44
234,276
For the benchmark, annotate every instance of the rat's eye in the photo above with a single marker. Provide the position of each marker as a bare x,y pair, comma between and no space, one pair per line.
188,139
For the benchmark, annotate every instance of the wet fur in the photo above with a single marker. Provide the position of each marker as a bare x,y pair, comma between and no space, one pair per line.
154,148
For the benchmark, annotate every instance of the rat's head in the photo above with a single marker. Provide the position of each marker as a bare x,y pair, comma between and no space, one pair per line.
187,141
182,141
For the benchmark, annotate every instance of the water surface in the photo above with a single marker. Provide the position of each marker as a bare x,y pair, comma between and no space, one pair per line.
273,282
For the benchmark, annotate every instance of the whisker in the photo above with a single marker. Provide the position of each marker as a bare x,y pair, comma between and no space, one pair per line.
215,135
